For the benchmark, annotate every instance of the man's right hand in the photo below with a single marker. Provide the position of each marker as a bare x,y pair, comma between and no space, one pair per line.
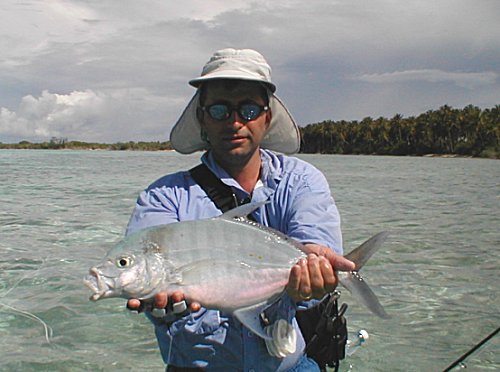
161,301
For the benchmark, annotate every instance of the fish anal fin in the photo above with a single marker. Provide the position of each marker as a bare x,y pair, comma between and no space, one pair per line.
250,317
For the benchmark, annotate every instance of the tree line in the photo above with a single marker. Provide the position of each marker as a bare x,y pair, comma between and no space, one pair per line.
57,143
467,132
470,131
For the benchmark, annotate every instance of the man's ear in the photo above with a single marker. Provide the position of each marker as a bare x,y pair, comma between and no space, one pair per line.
204,135
269,117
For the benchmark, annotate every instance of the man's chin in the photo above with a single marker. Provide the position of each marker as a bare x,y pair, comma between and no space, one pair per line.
232,154
237,147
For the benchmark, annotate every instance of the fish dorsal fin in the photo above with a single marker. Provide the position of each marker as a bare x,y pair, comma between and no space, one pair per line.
242,210
250,317
362,254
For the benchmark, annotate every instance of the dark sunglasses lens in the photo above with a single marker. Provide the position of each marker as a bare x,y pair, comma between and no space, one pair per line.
218,112
249,111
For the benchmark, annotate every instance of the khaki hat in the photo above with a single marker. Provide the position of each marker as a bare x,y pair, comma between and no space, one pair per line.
244,64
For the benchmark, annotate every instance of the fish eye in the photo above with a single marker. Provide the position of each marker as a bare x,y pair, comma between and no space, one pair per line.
124,261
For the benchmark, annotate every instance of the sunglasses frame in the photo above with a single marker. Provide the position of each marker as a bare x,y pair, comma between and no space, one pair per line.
232,108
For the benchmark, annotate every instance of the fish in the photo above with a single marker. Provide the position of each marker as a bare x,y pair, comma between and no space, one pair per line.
228,263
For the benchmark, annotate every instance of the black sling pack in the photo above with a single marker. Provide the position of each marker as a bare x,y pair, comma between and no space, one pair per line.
221,194
324,327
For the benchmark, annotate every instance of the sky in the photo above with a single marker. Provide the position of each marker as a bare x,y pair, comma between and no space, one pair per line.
117,70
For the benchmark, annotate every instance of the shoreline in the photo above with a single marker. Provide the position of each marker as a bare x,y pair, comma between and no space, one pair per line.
110,148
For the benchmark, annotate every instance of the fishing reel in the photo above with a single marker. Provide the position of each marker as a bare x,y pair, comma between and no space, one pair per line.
327,344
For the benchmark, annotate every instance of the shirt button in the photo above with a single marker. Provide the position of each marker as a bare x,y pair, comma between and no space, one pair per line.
250,334
251,370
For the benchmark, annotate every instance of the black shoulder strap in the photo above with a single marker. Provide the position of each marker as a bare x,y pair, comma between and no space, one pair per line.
221,194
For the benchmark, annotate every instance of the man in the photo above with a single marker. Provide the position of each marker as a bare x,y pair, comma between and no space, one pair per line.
243,126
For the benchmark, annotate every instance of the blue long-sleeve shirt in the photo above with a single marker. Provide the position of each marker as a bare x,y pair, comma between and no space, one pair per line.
300,205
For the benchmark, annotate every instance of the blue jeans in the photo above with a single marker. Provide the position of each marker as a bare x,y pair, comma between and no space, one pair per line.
305,364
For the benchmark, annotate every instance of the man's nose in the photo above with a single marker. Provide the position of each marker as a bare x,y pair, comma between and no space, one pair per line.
235,119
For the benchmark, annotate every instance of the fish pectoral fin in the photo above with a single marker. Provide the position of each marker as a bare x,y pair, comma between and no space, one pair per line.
360,290
250,317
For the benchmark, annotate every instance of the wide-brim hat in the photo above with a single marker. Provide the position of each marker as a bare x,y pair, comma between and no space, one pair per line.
245,64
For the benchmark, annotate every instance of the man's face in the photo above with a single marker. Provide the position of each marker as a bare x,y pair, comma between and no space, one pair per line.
234,139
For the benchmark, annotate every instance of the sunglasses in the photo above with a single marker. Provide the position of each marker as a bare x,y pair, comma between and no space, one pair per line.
246,111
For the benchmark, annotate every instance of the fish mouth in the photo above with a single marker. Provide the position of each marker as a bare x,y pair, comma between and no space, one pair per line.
98,284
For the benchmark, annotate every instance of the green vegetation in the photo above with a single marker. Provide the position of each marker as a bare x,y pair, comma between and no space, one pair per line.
62,143
467,132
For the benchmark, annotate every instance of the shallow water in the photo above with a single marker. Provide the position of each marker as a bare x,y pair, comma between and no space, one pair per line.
437,274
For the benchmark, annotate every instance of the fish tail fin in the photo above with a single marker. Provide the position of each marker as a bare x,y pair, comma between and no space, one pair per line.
365,251
355,284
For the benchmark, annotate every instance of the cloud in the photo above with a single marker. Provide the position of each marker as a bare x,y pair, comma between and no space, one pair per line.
83,115
330,59
52,114
462,79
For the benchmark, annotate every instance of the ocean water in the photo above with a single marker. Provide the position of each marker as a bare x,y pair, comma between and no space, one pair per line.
437,274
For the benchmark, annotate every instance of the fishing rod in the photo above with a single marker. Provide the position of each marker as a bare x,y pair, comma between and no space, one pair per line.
472,350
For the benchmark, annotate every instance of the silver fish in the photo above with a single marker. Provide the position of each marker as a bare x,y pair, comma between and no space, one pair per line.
226,263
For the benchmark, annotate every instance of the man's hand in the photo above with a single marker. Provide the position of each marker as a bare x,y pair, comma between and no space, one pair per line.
160,301
314,276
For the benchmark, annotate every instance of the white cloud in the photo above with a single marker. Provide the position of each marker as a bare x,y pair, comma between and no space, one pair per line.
137,58
52,114
462,79
85,115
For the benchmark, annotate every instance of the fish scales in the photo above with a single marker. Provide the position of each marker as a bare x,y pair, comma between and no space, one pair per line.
250,263
239,241
223,263
238,254
232,263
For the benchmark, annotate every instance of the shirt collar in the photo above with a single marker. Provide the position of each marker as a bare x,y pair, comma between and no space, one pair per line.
270,170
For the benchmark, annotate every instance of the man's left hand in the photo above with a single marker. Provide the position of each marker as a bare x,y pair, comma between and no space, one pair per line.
315,276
